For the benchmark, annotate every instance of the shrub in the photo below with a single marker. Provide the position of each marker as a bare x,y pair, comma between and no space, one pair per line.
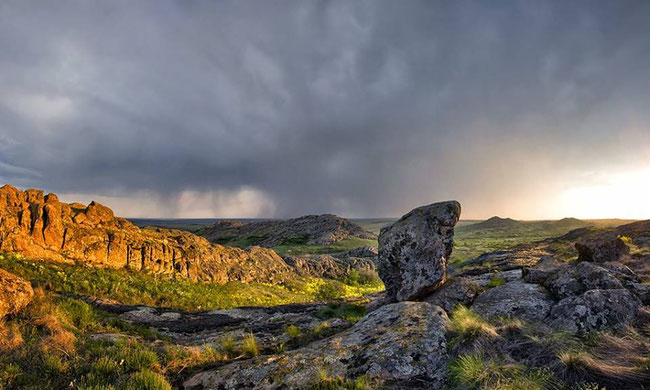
495,282
249,345
331,290
228,346
293,331
147,380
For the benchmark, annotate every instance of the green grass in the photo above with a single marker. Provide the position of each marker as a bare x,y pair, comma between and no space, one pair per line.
475,371
135,287
298,249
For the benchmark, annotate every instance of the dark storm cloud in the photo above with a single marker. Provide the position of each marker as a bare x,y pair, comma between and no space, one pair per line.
361,108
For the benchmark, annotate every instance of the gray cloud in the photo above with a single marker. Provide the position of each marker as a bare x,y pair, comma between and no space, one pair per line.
361,108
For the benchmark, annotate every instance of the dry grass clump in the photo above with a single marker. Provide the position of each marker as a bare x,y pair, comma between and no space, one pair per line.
178,359
10,336
614,360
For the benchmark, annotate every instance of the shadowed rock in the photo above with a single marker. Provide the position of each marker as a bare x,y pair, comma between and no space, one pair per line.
457,291
526,301
600,248
413,251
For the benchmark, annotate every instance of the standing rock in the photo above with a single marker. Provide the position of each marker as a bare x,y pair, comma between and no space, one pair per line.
403,344
15,293
413,251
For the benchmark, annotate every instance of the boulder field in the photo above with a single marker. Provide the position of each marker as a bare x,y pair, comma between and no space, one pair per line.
39,226
405,344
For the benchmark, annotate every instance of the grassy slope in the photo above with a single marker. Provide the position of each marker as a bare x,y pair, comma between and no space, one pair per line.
50,345
133,287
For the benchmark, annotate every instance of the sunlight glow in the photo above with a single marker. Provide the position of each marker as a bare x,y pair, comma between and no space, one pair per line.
616,195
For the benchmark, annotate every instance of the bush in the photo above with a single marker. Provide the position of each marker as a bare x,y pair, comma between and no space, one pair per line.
147,380
331,290
249,345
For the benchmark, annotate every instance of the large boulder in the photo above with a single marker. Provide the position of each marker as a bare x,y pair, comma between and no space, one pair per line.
601,248
517,299
413,251
595,310
402,344
15,293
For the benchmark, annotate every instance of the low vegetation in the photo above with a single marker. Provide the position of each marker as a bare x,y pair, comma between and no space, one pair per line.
509,354
135,287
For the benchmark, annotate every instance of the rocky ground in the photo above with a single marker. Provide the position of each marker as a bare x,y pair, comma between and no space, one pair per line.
567,313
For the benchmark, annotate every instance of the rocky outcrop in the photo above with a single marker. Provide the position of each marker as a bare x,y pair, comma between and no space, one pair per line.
15,293
401,344
329,266
322,229
413,251
602,247
595,310
529,302
40,226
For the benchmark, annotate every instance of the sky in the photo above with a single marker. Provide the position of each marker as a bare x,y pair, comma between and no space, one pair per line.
198,109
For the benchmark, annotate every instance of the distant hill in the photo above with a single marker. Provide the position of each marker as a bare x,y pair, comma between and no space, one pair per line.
495,223
321,229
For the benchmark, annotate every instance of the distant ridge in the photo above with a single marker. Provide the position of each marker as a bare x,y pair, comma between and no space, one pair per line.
321,229
495,223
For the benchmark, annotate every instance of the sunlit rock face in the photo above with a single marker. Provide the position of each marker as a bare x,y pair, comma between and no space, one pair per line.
413,251
15,293
41,227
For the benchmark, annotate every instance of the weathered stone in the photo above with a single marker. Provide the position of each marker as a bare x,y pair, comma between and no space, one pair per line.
456,291
537,275
15,293
595,310
402,344
526,301
564,283
483,280
594,277
413,251
601,248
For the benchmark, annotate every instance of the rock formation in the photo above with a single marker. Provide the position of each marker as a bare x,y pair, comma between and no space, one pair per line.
401,344
322,229
39,226
599,291
329,266
15,293
413,251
